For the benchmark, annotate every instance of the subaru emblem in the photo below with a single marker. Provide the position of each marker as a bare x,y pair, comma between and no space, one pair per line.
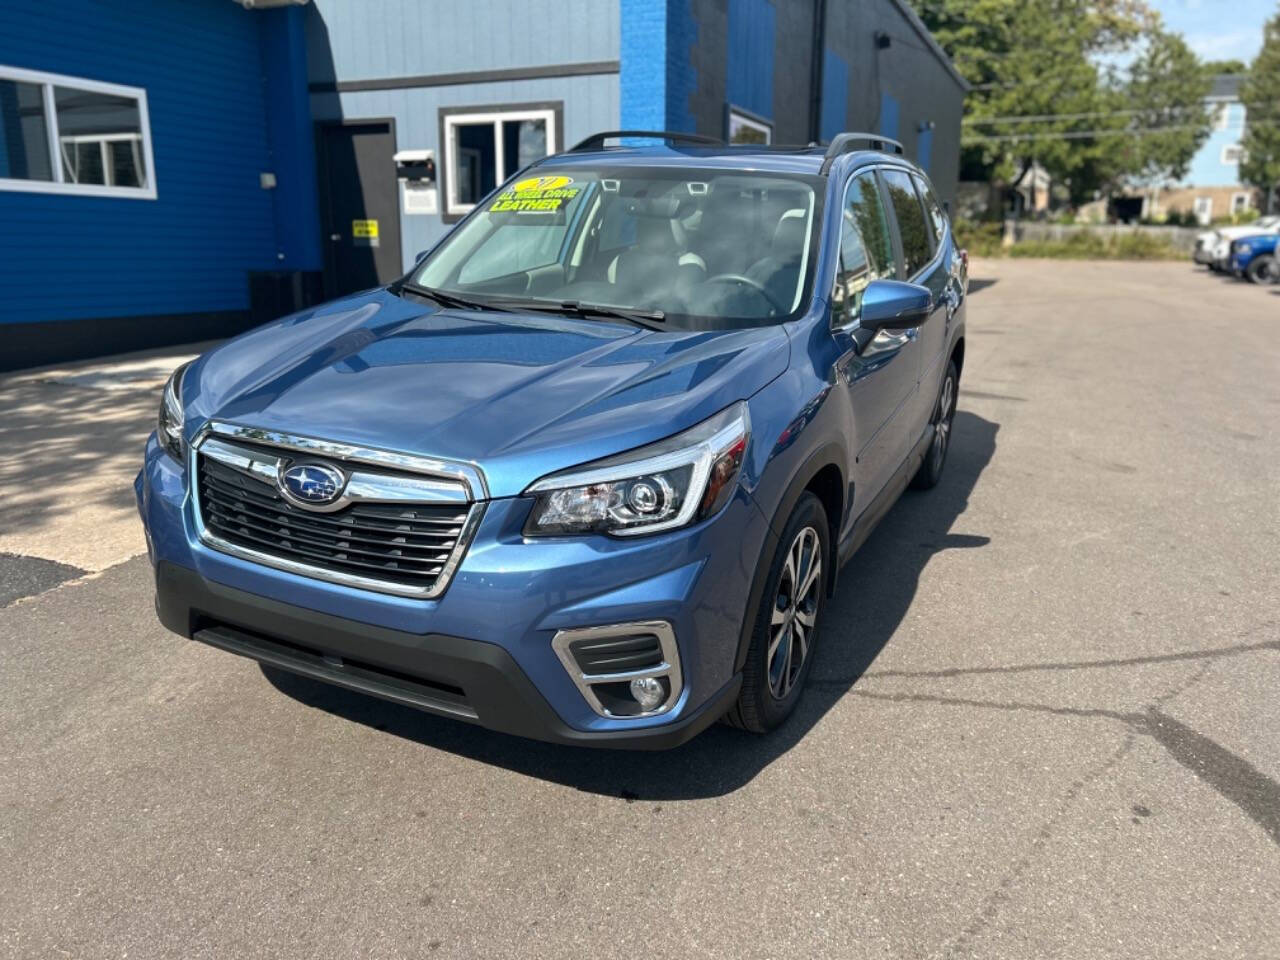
312,483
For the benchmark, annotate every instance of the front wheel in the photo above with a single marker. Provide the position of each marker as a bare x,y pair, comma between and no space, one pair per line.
944,414
786,622
1263,270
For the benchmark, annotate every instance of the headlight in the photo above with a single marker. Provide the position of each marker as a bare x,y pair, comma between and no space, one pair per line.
169,423
659,487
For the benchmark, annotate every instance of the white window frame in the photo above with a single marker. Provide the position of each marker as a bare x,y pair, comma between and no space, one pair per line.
1240,201
1239,158
1203,208
740,117
59,184
452,206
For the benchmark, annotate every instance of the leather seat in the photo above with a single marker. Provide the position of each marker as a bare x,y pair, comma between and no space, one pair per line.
779,272
660,255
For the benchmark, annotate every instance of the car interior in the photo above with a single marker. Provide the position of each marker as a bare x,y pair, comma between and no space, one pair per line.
729,246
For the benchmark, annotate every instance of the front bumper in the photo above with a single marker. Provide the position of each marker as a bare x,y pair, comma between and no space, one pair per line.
452,676
490,634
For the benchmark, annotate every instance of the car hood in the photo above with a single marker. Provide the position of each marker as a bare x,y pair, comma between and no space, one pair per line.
518,395
1236,233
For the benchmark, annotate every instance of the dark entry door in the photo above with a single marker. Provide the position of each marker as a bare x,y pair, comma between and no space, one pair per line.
360,205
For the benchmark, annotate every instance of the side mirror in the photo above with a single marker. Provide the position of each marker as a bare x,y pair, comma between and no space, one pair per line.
421,255
893,305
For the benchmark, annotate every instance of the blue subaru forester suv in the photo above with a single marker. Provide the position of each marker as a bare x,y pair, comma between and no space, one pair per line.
588,472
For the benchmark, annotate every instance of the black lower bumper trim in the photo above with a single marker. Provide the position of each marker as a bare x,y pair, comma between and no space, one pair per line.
451,676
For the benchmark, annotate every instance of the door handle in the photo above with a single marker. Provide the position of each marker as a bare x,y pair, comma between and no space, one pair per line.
335,237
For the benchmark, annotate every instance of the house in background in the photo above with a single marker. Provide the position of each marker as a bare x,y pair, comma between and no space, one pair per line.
1212,188
177,170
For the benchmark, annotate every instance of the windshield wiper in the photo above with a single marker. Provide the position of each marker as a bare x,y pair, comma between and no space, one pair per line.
447,299
649,319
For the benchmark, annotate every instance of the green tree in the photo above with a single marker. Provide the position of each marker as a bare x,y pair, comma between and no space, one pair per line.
1166,87
1049,87
1038,89
1216,67
1260,92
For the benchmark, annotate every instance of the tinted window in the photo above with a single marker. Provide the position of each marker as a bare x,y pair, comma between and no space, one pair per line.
916,248
936,217
100,136
866,248
24,138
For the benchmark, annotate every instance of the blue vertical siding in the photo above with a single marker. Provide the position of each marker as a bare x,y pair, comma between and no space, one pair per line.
66,257
643,44
752,28
889,110
657,77
924,149
290,139
835,94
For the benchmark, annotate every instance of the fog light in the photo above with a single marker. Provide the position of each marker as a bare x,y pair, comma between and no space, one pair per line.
649,692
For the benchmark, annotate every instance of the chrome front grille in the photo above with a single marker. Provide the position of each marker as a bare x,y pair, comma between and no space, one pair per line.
391,530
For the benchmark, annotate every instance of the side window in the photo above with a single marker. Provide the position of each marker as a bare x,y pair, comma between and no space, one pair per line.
866,247
936,217
916,248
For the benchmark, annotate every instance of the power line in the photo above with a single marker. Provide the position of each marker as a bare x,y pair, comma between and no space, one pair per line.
1049,117
1085,134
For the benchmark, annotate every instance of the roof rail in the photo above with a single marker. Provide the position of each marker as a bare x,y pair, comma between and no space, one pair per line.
843,141
596,140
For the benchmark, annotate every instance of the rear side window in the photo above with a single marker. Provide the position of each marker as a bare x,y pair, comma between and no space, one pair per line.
936,216
916,248
866,247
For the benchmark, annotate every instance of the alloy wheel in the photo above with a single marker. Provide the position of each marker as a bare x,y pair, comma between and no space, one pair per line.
946,413
795,612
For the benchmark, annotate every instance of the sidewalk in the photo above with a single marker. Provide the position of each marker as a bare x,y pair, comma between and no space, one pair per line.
71,440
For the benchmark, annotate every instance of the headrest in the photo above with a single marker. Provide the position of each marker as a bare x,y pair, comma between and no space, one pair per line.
789,235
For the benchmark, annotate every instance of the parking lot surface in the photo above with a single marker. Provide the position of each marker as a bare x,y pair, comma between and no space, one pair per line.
1044,719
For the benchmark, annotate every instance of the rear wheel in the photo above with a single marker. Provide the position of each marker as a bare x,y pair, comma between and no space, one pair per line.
1263,270
786,622
944,413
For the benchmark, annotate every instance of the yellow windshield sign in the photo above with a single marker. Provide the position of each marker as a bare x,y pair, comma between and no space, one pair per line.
536,195
364,228
542,183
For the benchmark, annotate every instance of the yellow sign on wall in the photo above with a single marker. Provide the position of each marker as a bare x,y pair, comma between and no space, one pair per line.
364,228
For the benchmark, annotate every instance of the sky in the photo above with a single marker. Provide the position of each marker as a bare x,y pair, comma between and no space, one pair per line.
1218,29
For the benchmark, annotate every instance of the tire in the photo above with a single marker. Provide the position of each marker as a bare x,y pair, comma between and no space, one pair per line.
944,413
1263,269
772,685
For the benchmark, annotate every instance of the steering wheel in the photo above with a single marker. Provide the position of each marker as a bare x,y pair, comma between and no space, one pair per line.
746,281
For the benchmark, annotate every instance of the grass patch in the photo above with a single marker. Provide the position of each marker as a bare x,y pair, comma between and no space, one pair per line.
983,240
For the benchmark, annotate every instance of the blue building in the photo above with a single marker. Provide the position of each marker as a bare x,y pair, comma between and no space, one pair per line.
1212,189
175,170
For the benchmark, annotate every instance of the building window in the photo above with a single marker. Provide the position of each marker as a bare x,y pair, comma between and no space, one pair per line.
65,135
1239,202
482,148
1232,154
748,128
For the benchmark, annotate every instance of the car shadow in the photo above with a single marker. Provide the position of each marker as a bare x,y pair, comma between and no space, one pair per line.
875,590
977,286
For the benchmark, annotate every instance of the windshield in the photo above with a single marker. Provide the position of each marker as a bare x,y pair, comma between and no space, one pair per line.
705,248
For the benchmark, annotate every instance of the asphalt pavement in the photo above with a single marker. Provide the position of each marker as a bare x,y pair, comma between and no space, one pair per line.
1043,723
